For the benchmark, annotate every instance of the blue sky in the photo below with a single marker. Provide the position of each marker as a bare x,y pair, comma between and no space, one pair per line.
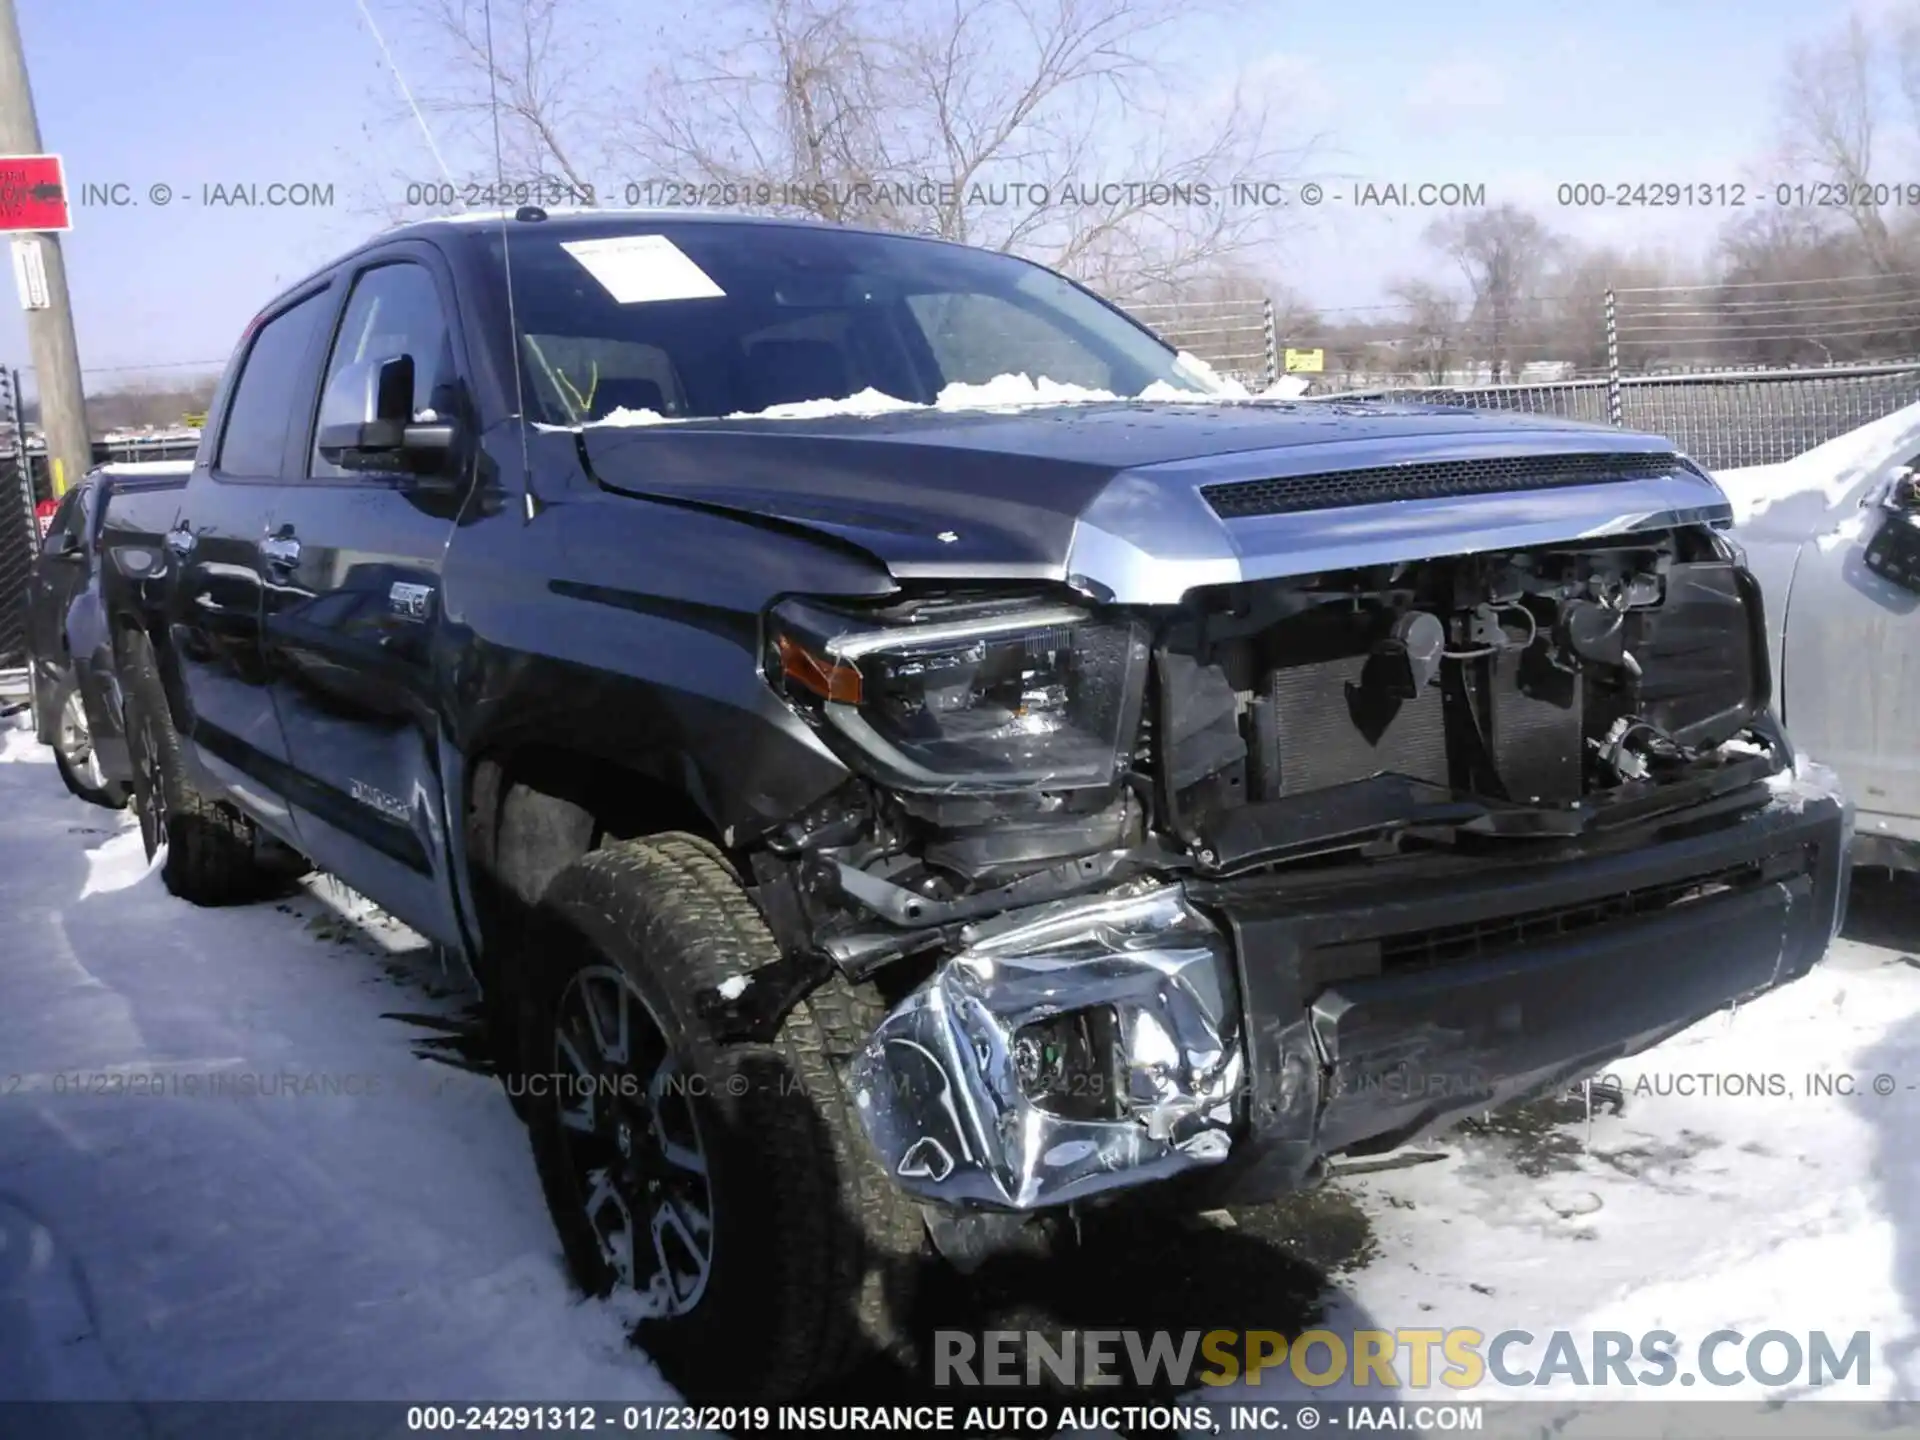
1517,96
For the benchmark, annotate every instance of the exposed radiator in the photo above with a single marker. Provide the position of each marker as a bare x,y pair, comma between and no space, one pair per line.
1324,728
1328,730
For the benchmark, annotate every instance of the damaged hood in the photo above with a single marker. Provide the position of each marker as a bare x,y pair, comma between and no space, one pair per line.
1136,502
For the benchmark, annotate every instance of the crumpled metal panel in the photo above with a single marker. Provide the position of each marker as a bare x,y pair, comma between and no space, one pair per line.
937,1087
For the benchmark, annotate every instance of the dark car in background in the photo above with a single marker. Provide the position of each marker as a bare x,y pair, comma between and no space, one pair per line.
76,701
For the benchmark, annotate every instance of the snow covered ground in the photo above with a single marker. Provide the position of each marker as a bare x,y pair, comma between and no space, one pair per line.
1818,480
227,1168
239,1158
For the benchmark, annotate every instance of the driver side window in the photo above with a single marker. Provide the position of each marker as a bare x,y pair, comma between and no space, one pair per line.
394,310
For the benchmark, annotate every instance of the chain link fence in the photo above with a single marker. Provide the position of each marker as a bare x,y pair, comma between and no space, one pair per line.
1721,419
1726,417
19,530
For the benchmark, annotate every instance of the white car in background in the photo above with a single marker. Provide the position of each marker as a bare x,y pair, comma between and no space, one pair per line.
1834,537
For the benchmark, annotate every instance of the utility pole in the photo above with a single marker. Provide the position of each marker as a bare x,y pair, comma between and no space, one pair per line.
50,338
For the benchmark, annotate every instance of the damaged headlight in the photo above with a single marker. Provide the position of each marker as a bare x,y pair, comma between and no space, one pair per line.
999,695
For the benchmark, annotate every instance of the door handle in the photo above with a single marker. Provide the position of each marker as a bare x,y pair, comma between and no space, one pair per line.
281,552
180,539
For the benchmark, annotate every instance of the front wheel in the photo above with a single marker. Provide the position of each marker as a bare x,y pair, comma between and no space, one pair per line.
74,757
725,1192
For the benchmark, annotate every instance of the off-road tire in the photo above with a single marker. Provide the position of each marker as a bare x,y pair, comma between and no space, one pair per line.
815,1250
211,853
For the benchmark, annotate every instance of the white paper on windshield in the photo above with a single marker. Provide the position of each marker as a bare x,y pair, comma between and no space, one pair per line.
634,269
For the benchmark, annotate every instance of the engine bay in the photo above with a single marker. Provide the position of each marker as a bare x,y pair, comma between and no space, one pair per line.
1535,678
1487,699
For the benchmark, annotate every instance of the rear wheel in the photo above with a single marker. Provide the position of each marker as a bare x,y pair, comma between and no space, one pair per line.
73,755
726,1191
212,854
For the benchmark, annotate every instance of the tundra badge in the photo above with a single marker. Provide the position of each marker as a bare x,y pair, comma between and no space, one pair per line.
391,806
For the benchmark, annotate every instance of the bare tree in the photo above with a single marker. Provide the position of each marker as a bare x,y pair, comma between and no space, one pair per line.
1656,316
1503,252
1793,289
150,402
1059,129
1434,327
527,76
1832,105
510,104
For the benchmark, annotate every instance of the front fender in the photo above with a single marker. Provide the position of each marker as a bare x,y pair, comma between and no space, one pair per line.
629,632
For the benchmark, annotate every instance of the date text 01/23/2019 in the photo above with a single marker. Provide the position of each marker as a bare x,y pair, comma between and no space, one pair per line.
1736,194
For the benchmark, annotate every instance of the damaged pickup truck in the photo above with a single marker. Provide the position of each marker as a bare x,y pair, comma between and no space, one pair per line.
906,755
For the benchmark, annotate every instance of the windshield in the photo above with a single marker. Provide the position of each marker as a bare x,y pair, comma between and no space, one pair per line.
704,319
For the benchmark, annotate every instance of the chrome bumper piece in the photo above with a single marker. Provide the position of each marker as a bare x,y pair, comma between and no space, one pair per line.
939,1084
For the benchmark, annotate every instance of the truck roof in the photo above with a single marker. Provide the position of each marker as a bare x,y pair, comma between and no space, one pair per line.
579,221
146,467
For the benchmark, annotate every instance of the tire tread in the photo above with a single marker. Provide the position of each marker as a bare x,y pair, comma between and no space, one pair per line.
847,1233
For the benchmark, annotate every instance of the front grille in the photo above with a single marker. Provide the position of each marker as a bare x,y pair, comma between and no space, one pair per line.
1451,944
1431,480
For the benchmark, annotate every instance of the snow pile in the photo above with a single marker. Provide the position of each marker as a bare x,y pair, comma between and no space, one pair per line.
622,416
1004,392
1010,392
18,745
1807,780
1831,471
1286,387
1753,1174
234,1163
1220,387
1207,378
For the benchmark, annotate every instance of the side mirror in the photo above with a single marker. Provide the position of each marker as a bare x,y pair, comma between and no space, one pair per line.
1903,496
63,545
390,440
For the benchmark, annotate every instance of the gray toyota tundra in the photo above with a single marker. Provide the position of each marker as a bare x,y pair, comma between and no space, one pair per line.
906,755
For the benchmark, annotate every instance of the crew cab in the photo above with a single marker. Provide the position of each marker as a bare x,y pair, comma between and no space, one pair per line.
906,755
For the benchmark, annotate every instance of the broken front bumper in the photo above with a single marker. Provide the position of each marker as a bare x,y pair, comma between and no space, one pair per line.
1252,1028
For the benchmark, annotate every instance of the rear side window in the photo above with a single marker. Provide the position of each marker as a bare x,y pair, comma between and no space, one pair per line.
253,440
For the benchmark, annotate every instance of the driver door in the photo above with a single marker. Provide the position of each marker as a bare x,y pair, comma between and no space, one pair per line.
1851,660
353,609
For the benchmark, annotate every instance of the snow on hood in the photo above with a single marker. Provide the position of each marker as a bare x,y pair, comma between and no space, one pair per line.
1831,471
1003,392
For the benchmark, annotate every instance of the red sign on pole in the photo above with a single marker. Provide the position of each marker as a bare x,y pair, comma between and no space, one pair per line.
33,193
